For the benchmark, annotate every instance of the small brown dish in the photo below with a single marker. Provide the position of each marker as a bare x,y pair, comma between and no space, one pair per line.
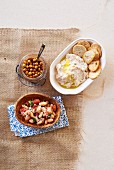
37,101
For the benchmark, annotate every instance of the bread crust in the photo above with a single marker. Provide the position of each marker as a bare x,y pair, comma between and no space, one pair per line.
97,47
93,66
88,56
95,74
79,50
86,44
97,55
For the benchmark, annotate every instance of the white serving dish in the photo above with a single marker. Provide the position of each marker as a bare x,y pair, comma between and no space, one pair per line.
84,85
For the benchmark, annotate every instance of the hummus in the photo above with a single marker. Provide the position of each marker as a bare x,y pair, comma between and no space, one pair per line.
71,71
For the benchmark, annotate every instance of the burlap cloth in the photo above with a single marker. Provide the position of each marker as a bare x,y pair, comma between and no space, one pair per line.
57,150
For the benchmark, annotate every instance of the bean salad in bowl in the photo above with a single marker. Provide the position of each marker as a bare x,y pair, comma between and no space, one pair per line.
37,110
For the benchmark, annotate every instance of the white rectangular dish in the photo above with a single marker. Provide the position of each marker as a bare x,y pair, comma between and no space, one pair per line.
84,85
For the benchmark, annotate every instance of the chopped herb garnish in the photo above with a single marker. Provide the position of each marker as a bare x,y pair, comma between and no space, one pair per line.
49,115
34,119
31,103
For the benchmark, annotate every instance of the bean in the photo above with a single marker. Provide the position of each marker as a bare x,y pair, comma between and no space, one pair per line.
46,122
39,109
31,121
40,121
31,114
43,103
27,118
50,120
52,116
40,115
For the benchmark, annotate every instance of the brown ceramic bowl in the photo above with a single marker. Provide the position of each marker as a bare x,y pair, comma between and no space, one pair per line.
42,97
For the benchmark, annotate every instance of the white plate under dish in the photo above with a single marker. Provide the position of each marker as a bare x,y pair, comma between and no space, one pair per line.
84,85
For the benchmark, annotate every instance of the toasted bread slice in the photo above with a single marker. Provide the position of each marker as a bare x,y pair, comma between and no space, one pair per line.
86,44
95,74
97,47
79,50
88,56
97,55
93,66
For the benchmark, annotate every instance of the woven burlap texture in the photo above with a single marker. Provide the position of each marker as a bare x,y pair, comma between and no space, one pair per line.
57,150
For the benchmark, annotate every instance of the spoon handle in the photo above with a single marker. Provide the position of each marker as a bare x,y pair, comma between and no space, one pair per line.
41,50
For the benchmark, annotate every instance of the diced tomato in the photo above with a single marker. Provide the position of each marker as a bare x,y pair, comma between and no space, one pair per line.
27,104
35,105
46,113
54,108
37,114
23,109
36,101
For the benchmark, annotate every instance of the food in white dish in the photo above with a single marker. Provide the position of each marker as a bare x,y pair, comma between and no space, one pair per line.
95,67
75,68
71,71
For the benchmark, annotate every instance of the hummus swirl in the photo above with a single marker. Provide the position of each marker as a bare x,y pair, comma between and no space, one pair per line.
71,71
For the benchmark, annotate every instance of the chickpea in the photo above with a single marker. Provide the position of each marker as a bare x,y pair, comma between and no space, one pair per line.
41,63
26,72
31,69
36,64
31,76
36,67
30,66
24,69
34,59
29,61
36,75
30,73
24,65
25,62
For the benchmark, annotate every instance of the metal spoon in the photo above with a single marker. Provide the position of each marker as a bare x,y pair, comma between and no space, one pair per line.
41,50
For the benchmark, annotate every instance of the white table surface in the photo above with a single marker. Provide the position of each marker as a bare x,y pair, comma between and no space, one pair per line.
95,18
